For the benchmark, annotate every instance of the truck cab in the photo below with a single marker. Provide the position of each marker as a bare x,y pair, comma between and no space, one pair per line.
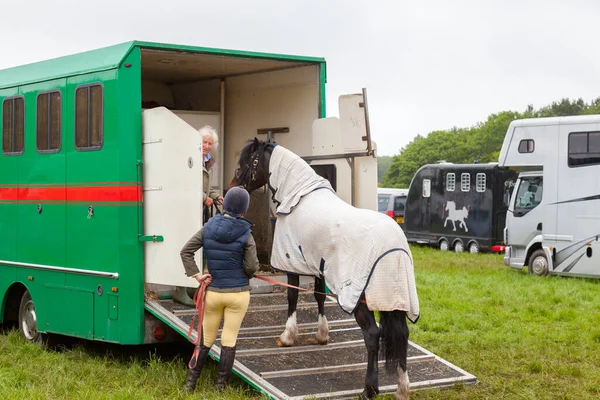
523,231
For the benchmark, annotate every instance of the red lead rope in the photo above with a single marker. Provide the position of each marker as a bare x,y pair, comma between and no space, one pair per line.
199,317
276,282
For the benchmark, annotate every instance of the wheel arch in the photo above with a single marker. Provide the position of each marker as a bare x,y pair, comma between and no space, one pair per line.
9,310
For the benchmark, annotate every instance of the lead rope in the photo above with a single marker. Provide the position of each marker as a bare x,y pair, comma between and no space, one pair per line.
199,317
276,282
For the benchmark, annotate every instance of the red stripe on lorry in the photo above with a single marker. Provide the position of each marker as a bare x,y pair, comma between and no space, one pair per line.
88,194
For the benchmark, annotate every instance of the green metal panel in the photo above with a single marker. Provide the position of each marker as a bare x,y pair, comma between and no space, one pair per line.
8,207
8,275
322,90
76,64
41,228
130,250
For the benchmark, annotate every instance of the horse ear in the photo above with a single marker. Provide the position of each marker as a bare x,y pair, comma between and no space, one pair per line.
256,143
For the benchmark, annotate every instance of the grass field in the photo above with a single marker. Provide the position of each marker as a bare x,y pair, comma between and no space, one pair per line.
523,337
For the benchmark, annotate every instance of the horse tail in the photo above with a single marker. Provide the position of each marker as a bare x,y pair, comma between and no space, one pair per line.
394,339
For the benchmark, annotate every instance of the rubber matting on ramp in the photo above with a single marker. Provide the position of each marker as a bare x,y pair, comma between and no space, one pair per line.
336,370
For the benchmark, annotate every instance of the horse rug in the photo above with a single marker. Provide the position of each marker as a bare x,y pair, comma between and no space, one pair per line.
355,250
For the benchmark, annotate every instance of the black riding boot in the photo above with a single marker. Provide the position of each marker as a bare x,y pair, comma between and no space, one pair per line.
225,366
194,373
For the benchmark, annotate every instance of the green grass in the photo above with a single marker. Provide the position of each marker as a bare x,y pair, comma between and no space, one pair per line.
523,337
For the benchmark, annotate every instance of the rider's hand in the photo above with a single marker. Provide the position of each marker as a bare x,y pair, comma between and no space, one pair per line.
204,277
208,202
220,200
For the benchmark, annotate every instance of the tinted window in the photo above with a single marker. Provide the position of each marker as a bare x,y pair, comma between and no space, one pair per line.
48,125
13,126
526,146
89,116
399,203
584,148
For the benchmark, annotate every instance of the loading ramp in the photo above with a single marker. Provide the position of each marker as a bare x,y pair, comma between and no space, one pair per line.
333,371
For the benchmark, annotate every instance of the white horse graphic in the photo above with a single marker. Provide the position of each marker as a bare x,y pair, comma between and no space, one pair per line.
456,215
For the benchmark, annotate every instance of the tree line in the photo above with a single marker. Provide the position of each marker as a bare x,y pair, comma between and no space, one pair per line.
479,143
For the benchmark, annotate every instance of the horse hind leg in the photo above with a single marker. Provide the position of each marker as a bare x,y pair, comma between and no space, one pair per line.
322,335
366,320
288,337
394,332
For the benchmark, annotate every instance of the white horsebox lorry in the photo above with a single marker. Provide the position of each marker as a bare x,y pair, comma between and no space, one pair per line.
553,219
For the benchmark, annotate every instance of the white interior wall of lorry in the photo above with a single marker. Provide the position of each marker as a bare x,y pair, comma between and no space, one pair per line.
287,98
172,194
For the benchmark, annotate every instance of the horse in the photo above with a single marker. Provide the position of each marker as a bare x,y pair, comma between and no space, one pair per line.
319,234
456,215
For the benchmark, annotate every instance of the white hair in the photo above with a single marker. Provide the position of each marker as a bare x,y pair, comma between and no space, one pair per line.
208,131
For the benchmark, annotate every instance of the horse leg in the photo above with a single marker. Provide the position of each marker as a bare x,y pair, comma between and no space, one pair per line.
287,338
322,335
366,320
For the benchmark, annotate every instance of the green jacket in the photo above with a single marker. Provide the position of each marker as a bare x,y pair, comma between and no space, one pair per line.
206,175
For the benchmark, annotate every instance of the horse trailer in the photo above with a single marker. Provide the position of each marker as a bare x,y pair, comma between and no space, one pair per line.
458,206
552,223
101,178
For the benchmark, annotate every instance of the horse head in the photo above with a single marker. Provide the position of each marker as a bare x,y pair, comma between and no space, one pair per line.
253,165
448,203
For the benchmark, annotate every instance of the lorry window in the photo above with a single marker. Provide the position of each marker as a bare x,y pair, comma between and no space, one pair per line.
526,146
584,149
480,182
382,202
426,187
465,182
529,195
450,182
399,203
13,126
48,124
89,115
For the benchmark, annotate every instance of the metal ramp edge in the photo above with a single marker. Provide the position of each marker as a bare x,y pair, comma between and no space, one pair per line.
248,376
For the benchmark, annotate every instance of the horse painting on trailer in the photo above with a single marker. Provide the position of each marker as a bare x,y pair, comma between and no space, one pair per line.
362,256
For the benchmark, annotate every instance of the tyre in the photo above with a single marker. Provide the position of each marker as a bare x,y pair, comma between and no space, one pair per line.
474,248
459,247
538,263
28,320
444,246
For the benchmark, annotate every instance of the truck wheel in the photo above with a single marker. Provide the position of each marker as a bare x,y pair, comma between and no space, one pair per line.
459,247
474,248
28,319
538,264
444,245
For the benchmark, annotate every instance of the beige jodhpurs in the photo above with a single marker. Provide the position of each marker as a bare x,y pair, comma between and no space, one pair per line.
230,306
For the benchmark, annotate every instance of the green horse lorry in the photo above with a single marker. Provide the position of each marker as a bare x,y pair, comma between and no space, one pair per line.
101,172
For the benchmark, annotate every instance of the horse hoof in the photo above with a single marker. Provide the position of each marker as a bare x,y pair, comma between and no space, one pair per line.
280,343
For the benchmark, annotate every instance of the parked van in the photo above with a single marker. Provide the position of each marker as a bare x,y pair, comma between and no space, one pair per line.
391,201
552,224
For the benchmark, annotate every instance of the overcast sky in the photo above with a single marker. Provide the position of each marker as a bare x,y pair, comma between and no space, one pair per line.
426,65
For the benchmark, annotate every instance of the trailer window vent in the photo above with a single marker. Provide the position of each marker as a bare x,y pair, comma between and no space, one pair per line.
89,116
426,187
450,182
13,126
48,117
480,183
465,182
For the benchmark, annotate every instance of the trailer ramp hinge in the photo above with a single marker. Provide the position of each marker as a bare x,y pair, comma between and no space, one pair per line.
152,238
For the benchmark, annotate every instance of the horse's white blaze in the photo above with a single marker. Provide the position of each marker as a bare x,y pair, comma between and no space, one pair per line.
322,330
403,391
288,337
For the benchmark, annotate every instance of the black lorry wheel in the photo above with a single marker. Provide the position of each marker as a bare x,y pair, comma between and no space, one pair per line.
538,263
444,245
474,248
459,247
28,319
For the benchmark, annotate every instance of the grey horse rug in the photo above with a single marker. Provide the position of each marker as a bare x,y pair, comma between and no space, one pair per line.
354,250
